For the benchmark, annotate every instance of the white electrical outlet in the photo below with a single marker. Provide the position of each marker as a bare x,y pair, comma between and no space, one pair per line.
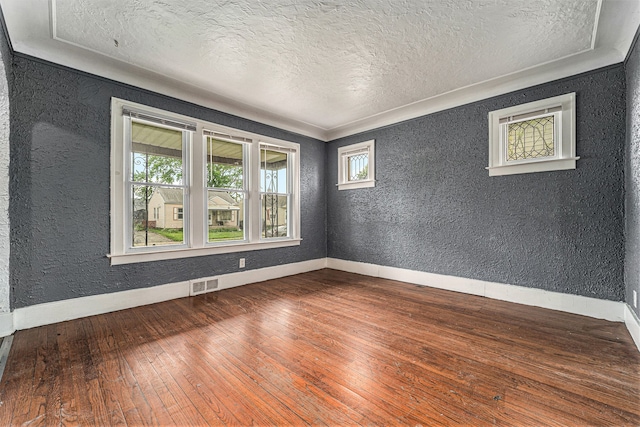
241,264
635,298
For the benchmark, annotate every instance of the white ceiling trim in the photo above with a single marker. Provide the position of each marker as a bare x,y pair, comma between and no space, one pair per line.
31,27
614,21
572,65
31,34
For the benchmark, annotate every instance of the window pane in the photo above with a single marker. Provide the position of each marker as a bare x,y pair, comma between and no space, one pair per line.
225,215
224,164
156,155
273,171
158,216
530,139
358,167
274,216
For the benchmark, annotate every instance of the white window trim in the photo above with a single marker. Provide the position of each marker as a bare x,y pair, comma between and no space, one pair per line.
343,153
565,157
196,210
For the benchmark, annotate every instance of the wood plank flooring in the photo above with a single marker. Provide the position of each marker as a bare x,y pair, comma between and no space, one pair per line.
325,348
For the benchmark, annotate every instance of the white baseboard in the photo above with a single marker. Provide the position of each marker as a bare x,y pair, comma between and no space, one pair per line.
633,324
592,307
6,324
240,278
60,311
69,309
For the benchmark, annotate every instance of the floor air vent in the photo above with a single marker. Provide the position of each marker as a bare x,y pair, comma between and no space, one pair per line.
202,286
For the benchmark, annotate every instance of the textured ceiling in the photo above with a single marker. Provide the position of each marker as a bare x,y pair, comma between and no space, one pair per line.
325,68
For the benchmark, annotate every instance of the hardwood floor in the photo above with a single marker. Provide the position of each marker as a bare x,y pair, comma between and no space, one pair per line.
325,348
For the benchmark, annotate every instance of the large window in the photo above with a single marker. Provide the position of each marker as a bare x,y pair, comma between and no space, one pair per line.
534,137
182,187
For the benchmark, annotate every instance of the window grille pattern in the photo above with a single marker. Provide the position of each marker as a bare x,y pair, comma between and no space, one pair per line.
531,139
358,167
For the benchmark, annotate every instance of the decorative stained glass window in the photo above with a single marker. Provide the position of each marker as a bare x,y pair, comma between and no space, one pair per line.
531,139
356,166
538,136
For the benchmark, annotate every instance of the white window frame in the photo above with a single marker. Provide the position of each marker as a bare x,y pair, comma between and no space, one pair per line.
563,108
289,194
247,153
343,165
195,213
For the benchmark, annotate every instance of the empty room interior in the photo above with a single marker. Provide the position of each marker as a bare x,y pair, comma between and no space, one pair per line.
320,213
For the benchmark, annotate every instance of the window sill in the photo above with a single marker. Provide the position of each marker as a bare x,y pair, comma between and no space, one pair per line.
536,166
356,184
131,258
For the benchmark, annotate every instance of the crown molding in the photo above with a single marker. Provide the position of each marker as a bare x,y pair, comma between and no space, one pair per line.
31,34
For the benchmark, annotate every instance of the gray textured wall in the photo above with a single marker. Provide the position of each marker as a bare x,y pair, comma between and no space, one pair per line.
435,208
632,178
59,207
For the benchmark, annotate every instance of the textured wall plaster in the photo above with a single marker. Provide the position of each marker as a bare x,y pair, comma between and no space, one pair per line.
5,246
632,178
60,148
434,207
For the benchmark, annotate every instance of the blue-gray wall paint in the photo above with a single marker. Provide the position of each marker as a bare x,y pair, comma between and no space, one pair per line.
435,208
59,207
632,178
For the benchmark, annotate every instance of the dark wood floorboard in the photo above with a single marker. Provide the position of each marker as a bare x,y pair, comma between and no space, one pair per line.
325,348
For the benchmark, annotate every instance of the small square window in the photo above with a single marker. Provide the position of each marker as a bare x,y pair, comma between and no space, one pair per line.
356,166
534,137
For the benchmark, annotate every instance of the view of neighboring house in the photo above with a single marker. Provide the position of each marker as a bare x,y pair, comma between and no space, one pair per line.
223,210
166,209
